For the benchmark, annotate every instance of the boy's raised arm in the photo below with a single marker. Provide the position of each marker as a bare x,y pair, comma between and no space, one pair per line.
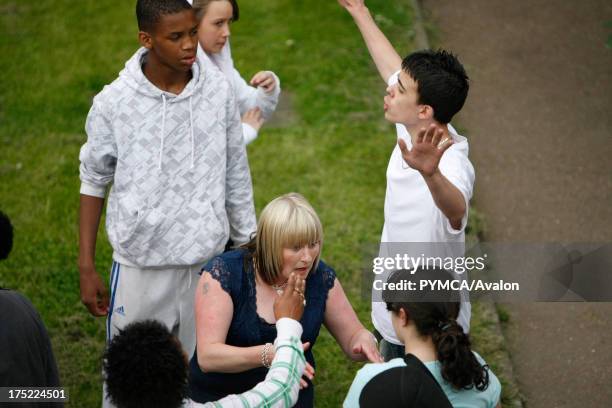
385,57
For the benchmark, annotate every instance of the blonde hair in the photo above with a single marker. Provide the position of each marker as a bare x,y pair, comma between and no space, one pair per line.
286,222
200,7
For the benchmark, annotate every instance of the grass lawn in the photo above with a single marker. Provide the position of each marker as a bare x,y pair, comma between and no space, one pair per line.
56,55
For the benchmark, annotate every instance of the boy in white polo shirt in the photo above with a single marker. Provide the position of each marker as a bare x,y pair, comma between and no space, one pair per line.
429,178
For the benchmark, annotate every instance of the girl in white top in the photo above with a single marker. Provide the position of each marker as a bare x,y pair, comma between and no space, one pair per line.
257,99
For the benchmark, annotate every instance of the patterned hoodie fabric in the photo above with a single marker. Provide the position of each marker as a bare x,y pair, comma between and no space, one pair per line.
247,96
180,178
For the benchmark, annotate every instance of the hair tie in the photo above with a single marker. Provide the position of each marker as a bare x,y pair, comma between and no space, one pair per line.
444,326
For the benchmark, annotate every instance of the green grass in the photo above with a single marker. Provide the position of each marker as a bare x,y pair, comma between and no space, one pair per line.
58,54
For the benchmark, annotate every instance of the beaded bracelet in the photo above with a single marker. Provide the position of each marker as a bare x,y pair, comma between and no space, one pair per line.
264,356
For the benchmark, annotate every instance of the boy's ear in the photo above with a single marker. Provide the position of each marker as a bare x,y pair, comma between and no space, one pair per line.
145,39
426,112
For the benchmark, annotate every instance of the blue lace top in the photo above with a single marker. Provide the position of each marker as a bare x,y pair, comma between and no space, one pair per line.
249,329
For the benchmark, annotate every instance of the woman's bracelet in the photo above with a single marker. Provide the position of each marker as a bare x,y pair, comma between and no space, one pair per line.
265,360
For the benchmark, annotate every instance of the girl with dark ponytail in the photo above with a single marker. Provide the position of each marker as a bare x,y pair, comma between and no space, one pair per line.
459,364
439,368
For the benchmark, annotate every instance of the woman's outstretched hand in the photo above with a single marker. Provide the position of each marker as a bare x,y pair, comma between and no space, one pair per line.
364,343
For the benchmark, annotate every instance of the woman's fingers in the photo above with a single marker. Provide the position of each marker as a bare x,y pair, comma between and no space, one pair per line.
372,354
367,347
309,372
290,284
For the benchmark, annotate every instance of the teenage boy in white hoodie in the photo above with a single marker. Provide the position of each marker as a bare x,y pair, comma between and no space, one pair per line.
429,178
166,134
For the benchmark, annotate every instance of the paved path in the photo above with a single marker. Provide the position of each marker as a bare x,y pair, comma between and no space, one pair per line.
539,119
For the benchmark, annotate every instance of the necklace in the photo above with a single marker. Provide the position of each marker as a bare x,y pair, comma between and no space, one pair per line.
279,288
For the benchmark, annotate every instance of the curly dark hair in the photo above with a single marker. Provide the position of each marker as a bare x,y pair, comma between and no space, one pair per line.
434,314
148,12
6,236
145,366
441,81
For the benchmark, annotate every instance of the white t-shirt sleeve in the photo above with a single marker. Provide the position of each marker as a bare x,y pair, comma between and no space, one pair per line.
456,167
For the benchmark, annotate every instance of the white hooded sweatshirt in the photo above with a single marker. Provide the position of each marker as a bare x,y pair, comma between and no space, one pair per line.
247,96
180,178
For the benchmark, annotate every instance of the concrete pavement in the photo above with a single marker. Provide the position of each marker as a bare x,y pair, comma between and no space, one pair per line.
539,121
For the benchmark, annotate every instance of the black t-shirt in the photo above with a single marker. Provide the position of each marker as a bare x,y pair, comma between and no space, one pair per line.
26,358
410,386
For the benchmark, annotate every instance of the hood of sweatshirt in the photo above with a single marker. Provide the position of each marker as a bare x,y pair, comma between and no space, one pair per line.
134,78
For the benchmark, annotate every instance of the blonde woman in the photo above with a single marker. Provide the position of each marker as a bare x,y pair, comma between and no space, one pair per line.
234,299
257,99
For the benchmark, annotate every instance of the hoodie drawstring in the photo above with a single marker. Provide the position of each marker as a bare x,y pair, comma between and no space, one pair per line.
191,133
163,130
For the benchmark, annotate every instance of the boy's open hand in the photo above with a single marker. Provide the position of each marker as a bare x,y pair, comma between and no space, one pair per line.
427,150
292,301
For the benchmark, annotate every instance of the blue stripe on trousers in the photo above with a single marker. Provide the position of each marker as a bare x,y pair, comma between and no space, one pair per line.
113,286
